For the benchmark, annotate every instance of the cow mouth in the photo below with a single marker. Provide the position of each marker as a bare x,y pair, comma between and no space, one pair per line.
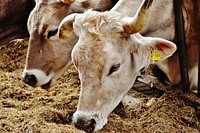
46,86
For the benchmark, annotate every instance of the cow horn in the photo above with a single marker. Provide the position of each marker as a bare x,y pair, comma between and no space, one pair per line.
65,28
135,24
66,1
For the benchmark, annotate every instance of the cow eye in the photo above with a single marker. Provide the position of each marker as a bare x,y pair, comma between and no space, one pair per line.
52,33
114,68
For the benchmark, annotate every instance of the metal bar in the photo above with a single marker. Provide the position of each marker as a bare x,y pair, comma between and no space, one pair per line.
181,44
198,91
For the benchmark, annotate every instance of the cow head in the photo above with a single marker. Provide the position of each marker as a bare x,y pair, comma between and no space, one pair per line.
48,56
108,56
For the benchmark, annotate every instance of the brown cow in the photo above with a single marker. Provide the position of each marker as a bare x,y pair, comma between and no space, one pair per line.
13,19
48,56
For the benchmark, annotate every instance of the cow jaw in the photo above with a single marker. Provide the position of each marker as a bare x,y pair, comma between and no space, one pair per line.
44,81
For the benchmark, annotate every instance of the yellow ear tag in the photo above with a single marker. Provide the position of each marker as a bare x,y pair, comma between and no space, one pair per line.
155,55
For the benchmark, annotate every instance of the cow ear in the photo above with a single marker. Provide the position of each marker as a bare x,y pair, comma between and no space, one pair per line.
65,28
66,1
160,49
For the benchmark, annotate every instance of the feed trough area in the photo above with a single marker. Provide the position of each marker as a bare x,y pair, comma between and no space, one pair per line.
33,110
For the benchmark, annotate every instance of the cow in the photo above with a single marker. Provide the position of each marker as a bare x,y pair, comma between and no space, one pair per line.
109,55
48,56
13,19
161,24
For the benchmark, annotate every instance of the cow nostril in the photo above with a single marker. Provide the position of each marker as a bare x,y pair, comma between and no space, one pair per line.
30,80
88,126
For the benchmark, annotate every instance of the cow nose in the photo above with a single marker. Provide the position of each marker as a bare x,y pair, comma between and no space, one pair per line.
30,80
86,125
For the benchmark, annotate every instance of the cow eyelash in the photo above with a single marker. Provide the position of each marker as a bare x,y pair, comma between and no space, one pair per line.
114,68
52,33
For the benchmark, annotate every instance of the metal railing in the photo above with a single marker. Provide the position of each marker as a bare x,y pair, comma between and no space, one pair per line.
182,49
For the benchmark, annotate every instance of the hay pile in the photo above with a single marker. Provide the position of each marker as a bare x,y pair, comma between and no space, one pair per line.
26,109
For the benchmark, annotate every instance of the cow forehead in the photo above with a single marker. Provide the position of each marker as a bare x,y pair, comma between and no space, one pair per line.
89,53
100,23
42,15
43,9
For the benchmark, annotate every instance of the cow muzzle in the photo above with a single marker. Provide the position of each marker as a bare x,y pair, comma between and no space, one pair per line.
37,78
86,125
89,121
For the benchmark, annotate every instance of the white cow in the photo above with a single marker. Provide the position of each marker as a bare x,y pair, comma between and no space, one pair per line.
108,56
